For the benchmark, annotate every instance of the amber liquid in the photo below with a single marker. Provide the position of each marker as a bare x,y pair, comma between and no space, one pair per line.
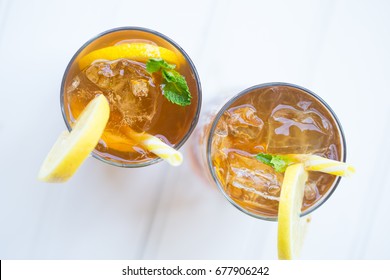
135,96
275,120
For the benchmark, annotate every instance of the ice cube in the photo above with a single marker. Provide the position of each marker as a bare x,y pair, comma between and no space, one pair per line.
298,130
221,139
106,70
311,191
130,89
74,85
332,153
244,123
95,74
253,178
140,87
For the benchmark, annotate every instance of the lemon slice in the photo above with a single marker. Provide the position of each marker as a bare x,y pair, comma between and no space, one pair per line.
290,234
72,148
134,51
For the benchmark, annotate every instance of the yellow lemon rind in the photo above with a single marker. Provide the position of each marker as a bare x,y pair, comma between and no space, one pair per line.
72,148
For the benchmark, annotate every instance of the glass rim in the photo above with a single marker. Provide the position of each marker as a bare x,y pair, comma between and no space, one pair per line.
227,105
165,38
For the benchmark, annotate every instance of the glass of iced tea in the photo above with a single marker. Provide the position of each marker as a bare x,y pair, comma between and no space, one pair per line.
272,118
152,87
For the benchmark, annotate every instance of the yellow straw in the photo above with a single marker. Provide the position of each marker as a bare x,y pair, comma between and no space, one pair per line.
156,146
317,163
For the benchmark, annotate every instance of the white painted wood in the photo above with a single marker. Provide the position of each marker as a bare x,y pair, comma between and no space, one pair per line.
338,49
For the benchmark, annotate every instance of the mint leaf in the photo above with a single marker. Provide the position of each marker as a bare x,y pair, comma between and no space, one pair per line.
279,163
170,76
264,158
177,94
175,86
155,64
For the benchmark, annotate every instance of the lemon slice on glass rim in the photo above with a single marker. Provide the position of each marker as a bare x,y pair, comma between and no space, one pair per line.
291,227
290,224
134,51
72,148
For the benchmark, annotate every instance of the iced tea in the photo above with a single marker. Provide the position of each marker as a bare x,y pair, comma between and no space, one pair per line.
273,119
136,96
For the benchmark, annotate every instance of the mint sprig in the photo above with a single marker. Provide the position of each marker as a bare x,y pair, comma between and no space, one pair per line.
279,163
175,85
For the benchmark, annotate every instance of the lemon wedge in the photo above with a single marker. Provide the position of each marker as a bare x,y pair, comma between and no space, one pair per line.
290,235
134,51
72,148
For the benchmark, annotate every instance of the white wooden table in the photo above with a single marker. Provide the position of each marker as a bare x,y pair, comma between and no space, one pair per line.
338,49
